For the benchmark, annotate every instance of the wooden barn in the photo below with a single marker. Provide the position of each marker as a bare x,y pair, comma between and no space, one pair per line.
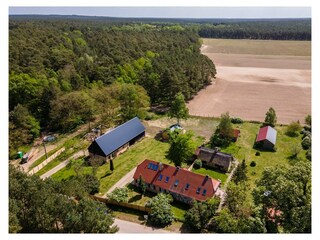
266,138
117,140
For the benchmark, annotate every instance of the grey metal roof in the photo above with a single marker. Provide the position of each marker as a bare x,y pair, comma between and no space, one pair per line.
117,137
271,135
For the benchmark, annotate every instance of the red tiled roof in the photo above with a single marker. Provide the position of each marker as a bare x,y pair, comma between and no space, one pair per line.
183,176
262,135
236,133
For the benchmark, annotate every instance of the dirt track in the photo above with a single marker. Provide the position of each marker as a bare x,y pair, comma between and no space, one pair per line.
247,85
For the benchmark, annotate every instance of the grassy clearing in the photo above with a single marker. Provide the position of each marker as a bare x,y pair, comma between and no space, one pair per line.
258,47
40,160
148,148
243,149
210,172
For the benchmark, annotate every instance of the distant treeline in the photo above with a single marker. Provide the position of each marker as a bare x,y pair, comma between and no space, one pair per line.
273,29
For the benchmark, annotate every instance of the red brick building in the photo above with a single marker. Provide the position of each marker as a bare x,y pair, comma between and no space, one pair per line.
182,184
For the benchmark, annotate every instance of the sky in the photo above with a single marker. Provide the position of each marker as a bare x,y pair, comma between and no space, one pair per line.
171,12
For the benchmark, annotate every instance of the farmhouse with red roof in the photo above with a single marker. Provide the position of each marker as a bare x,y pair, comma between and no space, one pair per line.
266,138
183,185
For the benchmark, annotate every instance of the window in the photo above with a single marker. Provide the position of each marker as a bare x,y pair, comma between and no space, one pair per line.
176,183
204,192
198,190
160,177
187,186
155,167
167,179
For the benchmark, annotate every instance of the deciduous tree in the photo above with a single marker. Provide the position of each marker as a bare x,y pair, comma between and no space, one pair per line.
178,108
271,117
182,147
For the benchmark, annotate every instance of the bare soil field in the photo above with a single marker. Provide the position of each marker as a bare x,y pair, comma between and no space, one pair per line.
248,84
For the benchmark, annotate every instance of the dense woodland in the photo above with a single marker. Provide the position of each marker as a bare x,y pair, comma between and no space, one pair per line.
96,69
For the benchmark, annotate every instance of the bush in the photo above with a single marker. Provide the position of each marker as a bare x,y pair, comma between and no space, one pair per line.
306,143
257,154
218,140
293,129
119,195
308,154
197,164
253,164
236,120
161,212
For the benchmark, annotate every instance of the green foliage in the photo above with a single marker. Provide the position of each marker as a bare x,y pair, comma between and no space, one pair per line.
72,109
197,164
293,129
236,120
142,185
309,154
178,108
224,132
288,191
306,143
257,153
240,175
161,213
182,147
271,117
308,120
119,194
226,223
134,101
253,164
236,198
38,206
295,150
200,214
23,128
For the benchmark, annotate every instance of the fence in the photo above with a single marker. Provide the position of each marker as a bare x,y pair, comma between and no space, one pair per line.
45,162
122,204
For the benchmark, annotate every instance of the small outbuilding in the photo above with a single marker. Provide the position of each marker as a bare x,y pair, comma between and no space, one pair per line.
266,138
117,140
213,158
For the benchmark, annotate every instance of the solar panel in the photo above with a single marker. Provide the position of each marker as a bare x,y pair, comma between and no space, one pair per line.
153,166
167,179
160,177
149,165
156,167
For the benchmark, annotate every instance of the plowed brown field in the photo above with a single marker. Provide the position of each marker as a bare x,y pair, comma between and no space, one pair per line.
247,84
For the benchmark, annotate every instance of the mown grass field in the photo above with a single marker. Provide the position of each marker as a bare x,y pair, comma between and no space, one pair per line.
148,148
258,47
243,149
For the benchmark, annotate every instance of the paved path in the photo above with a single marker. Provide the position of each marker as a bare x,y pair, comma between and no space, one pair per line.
123,181
130,227
64,163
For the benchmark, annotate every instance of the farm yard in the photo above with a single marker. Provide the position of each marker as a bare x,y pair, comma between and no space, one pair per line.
253,75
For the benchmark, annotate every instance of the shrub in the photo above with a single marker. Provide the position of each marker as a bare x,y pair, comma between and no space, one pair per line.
306,143
253,164
308,154
161,212
119,194
197,164
257,154
236,120
293,129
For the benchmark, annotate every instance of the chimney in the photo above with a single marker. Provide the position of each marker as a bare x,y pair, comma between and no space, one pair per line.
160,166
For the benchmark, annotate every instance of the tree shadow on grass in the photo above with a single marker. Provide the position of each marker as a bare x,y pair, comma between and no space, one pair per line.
135,198
106,175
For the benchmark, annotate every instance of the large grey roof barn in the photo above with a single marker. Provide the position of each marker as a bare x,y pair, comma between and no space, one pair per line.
117,139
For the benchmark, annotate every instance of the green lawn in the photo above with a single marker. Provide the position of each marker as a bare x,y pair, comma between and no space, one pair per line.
212,173
243,149
148,148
